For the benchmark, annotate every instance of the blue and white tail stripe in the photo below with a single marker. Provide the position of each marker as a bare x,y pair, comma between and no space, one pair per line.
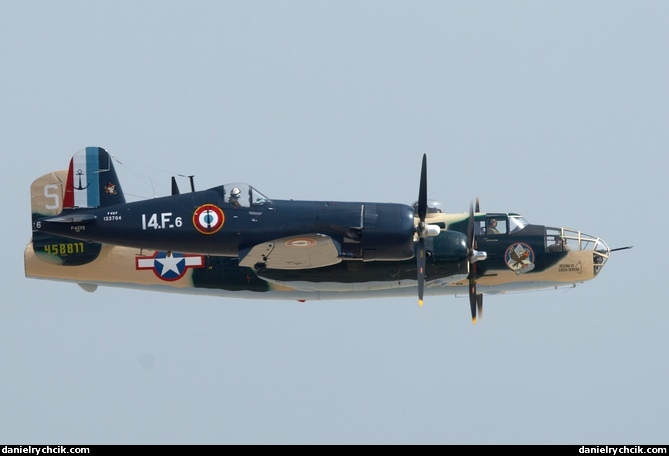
85,187
86,166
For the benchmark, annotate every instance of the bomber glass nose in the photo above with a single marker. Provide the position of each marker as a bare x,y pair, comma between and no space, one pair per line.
568,239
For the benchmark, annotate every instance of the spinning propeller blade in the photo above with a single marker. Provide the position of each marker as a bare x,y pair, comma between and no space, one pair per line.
471,241
475,299
421,230
422,191
420,265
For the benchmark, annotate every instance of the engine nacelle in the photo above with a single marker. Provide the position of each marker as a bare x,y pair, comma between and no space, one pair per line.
387,232
449,247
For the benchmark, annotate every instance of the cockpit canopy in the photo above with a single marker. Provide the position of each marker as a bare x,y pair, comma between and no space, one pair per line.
499,224
243,195
433,207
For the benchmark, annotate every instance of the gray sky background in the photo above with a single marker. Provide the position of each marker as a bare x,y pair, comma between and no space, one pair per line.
556,110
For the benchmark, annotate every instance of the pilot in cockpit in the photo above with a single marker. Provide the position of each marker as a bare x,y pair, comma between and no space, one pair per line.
234,197
492,226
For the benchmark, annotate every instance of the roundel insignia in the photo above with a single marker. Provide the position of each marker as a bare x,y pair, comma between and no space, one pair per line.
169,266
301,242
519,257
208,219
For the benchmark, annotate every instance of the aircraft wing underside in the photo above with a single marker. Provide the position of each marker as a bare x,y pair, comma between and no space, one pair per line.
305,251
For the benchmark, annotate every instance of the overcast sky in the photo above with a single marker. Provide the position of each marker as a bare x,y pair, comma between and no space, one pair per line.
555,110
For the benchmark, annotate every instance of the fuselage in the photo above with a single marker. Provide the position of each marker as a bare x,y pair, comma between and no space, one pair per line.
204,222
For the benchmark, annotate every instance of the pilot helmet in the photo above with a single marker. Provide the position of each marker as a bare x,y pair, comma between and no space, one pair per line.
235,192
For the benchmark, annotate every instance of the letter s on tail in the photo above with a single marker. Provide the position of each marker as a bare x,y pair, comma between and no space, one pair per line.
46,194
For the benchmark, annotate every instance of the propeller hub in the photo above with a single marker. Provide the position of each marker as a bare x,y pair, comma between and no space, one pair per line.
433,230
476,255
424,230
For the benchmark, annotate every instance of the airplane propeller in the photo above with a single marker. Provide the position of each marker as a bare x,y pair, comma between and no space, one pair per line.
475,299
423,230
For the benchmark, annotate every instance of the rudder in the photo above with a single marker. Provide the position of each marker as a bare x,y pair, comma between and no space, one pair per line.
92,180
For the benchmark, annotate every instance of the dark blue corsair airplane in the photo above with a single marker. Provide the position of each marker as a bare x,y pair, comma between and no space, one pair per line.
233,241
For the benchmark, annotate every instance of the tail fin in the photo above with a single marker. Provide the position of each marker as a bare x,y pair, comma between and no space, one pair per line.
46,194
92,180
48,197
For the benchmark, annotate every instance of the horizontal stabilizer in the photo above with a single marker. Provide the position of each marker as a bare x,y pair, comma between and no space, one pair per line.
71,218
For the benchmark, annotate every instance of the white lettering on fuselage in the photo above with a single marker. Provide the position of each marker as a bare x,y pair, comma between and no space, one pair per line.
160,221
112,216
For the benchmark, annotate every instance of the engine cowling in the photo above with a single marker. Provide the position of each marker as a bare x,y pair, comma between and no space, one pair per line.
387,232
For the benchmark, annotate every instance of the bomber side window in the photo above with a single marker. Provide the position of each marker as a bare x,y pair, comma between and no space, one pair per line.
495,225
516,224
